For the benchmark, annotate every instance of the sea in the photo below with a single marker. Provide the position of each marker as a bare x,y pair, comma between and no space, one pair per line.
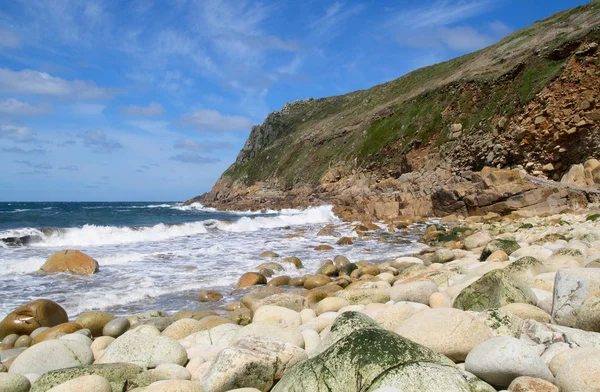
161,255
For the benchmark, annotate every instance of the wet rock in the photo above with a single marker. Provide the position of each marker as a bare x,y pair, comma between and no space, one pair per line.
29,317
269,254
251,279
344,241
279,281
56,332
293,260
72,262
315,281
209,296
94,321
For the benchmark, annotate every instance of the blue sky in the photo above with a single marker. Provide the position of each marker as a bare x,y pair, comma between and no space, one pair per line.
152,100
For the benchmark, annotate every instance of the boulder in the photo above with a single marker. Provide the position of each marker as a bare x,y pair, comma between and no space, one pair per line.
72,262
447,331
287,300
250,279
316,281
588,315
442,256
527,311
582,374
13,382
502,359
90,383
56,332
331,304
94,321
268,254
477,240
171,371
418,291
344,241
531,384
251,362
195,314
144,349
293,260
209,296
285,317
366,357
31,316
364,296
571,288
182,328
116,327
508,246
494,290
174,386
51,355
271,331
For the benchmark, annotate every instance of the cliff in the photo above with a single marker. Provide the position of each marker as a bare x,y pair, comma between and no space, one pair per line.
416,145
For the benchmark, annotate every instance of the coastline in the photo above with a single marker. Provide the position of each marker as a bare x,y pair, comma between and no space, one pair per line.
430,299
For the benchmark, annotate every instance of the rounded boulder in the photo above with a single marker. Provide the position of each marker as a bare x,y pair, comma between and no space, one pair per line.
31,316
72,262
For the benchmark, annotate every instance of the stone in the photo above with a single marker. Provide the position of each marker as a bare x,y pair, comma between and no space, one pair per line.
364,296
366,357
92,383
323,247
144,349
508,246
7,355
293,260
174,386
447,331
328,270
571,288
494,290
581,374
182,328
251,279
193,314
31,316
575,176
119,375
315,281
418,291
116,327
23,341
9,341
442,256
539,120
271,331
251,362
527,266
209,296
500,360
527,311
440,300
242,316
498,255
271,266
344,241
286,300
213,321
56,332
588,315
171,371
331,304
279,281
269,254
51,355
72,262
94,321
285,317
477,240
570,355
531,384
13,382
100,344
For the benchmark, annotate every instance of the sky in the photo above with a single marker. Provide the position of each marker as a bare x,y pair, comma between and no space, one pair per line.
148,100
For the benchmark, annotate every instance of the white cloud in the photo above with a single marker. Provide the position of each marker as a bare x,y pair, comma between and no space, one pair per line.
441,13
15,107
500,29
17,133
194,158
152,110
9,39
205,146
464,38
328,25
29,81
151,126
99,142
206,120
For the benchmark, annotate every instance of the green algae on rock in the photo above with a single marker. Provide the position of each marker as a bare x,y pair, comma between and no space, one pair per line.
494,290
362,356
508,246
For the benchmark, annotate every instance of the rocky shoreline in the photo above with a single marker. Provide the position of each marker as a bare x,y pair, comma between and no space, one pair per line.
491,303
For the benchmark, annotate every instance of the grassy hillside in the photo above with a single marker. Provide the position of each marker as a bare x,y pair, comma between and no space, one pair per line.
373,128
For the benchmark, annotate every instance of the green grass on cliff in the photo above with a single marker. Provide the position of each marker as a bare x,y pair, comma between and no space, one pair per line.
375,127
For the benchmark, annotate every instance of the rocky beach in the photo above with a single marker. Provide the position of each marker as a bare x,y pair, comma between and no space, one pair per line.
485,303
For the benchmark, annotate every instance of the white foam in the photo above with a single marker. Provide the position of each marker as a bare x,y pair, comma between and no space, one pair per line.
288,217
23,266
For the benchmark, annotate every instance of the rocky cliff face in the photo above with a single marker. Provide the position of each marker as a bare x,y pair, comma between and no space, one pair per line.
415,146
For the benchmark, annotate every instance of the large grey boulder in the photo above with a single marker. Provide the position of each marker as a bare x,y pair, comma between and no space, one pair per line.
494,290
364,357
252,361
119,375
51,355
500,360
571,288
144,349
13,382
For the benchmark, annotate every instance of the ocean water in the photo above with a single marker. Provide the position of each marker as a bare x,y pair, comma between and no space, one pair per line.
159,255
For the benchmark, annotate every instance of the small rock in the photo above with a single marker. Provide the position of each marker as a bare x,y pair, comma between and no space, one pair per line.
251,279
171,371
269,254
174,386
13,382
116,327
344,241
71,261
531,384
443,256
91,383
209,296
477,240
